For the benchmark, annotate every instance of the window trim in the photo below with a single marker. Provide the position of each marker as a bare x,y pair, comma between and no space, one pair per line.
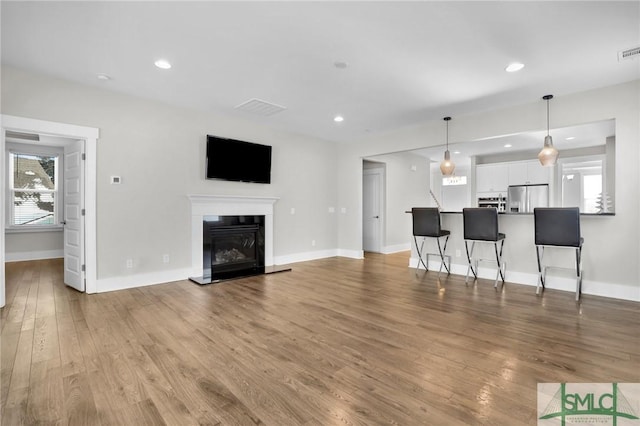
29,149
582,158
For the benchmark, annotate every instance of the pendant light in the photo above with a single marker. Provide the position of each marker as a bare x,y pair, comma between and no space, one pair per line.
447,167
549,154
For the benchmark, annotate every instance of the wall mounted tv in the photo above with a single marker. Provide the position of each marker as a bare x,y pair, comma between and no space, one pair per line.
230,159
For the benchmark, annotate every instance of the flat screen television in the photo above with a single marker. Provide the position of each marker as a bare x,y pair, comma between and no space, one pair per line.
234,160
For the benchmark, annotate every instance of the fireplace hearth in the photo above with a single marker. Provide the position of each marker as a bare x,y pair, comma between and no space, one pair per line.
233,247
230,210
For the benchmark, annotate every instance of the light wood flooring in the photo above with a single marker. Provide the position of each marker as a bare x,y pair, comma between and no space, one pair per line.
334,342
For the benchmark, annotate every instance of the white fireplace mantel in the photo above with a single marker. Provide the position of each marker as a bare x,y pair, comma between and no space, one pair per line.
228,205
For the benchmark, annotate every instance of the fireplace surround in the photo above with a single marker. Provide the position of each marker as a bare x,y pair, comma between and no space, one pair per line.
232,247
205,208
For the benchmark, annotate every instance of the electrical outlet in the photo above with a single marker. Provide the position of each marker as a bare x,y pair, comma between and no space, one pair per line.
129,263
343,210
313,243
293,210
458,253
332,209
165,258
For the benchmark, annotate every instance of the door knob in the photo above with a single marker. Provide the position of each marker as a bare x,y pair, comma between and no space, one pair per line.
64,222
376,217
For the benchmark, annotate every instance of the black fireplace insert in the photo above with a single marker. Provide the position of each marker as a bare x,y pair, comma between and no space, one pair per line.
233,246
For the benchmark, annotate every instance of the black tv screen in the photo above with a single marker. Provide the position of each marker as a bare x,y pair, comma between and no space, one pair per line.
230,159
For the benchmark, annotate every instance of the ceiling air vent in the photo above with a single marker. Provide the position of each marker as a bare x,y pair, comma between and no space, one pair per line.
22,136
259,107
629,53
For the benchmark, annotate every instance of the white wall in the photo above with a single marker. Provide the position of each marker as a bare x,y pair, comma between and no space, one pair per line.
619,234
455,197
159,152
404,188
34,245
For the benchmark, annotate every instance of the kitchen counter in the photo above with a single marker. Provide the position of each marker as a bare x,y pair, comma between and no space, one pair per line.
524,214
520,253
529,214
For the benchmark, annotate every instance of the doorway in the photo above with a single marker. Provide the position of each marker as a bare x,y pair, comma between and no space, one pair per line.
373,177
80,151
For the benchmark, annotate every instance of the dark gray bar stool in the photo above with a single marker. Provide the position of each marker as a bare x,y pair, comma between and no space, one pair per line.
426,224
558,227
481,226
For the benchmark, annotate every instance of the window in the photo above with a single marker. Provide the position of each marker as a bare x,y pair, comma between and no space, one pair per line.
454,180
583,182
34,188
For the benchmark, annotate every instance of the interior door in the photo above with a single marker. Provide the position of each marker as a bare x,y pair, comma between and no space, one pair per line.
73,215
371,210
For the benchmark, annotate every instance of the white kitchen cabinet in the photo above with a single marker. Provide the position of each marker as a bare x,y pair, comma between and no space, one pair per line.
492,178
518,174
536,173
527,173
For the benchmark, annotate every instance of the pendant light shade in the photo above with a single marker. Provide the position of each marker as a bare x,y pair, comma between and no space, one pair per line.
447,166
548,156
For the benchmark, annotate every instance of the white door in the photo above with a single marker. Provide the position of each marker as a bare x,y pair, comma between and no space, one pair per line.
73,215
371,210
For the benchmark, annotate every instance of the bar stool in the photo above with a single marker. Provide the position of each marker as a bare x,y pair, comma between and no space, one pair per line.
558,227
426,224
481,226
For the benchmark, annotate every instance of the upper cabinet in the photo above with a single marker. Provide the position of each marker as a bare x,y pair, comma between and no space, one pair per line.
585,174
492,178
497,177
528,173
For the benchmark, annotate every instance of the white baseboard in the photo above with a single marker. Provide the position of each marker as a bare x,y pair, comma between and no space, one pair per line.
305,256
556,282
319,254
161,277
353,254
141,280
33,255
396,248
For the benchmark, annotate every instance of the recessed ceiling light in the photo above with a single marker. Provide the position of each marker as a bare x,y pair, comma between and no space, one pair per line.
514,66
163,64
338,119
456,152
570,138
340,64
508,145
103,77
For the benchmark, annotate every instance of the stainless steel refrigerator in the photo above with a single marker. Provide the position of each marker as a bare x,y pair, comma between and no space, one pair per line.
524,198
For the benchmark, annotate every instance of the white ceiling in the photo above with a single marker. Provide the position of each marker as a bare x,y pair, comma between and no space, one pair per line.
565,138
408,62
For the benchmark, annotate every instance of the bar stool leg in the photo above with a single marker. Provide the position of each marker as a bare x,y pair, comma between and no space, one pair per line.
501,266
498,267
578,272
539,255
469,256
419,250
502,262
442,256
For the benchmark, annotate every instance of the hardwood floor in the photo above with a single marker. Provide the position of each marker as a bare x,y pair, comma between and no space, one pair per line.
335,341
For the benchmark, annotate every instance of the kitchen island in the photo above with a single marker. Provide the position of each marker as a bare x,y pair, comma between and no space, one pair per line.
520,255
